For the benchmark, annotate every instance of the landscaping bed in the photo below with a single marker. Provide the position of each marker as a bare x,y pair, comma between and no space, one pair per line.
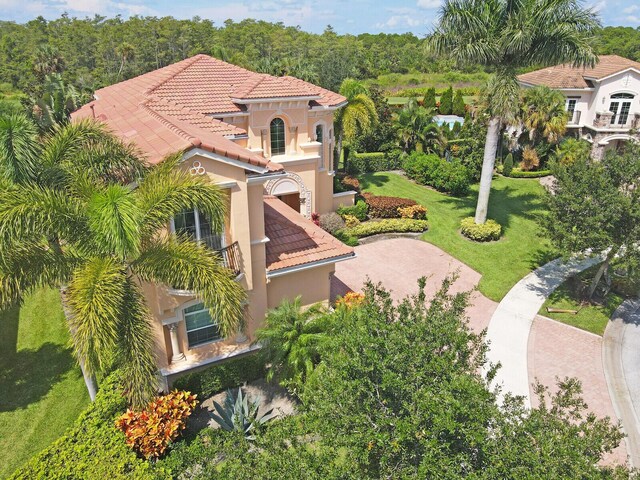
514,203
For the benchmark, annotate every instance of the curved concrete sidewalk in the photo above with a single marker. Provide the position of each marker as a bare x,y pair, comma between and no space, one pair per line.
509,327
621,358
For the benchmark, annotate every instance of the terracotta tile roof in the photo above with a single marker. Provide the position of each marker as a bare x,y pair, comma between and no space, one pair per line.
567,76
294,240
169,109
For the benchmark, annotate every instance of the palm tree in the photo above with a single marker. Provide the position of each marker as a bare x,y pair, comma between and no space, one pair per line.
48,61
291,340
357,117
71,215
544,114
507,35
57,102
126,52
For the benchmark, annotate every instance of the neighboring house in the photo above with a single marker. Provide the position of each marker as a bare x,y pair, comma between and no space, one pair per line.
268,142
603,102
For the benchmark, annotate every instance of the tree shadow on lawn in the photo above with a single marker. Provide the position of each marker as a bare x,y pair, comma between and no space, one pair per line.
374,179
504,204
26,376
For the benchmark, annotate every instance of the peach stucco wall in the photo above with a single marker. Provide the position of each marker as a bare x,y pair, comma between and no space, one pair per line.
310,161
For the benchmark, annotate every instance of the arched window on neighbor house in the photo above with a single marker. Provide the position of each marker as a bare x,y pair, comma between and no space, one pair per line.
276,132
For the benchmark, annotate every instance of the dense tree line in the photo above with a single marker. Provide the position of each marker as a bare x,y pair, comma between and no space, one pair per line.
93,52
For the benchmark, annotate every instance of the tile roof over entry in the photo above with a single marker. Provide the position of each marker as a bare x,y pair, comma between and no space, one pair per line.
567,76
169,109
295,240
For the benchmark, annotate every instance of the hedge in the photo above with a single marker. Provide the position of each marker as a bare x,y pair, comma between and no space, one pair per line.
484,232
517,173
388,225
386,207
448,176
223,376
373,162
92,448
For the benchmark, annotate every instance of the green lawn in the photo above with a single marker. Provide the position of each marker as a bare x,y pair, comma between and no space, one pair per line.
41,388
514,203
403,100
592,318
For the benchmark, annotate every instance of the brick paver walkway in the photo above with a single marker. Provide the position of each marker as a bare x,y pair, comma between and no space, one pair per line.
559,350
399,262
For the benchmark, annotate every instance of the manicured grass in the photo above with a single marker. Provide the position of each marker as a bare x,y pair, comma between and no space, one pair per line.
514,203
592,318
41,387
403,100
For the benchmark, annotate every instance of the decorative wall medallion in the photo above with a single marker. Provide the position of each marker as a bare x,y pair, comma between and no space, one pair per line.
197,168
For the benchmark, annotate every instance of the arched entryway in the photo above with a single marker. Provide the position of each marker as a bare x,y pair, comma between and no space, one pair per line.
292,191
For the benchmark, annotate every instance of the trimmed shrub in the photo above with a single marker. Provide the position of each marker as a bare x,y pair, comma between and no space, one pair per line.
150,431
93,447
351,183
388,225
223,376
429,100
372,162
446,102
351,221
331,222
359,210
517,173
447,176
346,238
507,166
416,212
458,104
489,230
386,207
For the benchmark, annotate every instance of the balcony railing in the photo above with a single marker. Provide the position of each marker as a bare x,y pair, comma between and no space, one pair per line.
231,258
575,118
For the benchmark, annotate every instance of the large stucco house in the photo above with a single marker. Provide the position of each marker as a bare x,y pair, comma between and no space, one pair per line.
268,142
603,102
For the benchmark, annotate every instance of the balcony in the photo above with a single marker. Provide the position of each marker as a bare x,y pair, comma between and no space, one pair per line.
574,119
230,256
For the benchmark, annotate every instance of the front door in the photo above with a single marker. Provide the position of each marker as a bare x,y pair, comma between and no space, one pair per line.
291,199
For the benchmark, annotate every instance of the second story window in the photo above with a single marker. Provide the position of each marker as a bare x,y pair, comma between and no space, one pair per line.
195,225
276,132
620,107
201,328
319,133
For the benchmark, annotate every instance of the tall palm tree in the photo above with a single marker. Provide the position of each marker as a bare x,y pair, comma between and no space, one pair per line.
507,35
357,117
72,216
543,114
48,60
126,52
291,340
415,127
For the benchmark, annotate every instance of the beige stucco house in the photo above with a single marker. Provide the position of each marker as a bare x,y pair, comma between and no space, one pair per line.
603,102
268,142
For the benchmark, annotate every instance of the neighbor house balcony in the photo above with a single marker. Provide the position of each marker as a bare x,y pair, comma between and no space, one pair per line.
612,121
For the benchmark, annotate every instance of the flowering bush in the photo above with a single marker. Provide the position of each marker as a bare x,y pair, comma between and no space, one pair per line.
150,431
351,299
359,210
417,212
386,207
315,218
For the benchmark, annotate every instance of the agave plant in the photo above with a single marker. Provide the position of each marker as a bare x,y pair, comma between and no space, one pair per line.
240,414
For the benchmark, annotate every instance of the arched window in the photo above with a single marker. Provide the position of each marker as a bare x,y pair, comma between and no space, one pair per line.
319,133
622,95
277,136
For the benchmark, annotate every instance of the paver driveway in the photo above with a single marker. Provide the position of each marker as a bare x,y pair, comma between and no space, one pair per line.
399,262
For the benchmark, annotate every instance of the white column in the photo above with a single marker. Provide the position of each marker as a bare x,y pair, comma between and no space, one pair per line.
177,356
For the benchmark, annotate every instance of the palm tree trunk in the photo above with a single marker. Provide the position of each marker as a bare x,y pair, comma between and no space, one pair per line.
490,148
603,268
338,152
89,380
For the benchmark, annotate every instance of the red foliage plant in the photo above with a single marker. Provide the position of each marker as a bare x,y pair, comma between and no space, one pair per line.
386,207
150,431
351,182
315,218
